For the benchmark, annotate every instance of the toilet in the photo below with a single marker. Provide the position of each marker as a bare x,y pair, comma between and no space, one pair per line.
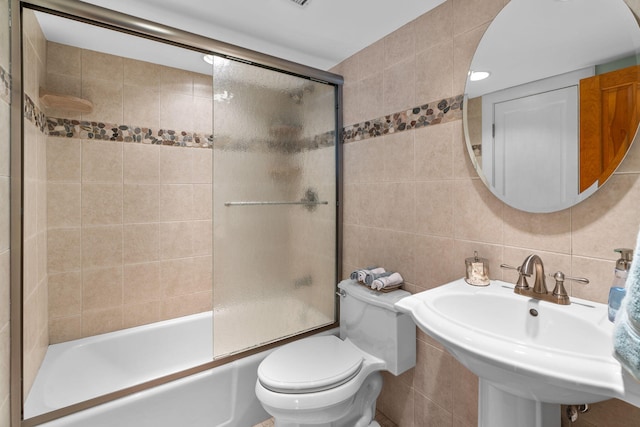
334,382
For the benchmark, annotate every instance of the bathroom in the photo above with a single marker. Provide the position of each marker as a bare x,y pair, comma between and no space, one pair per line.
431,211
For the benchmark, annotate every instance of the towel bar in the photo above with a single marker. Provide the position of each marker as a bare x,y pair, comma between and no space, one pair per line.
275,203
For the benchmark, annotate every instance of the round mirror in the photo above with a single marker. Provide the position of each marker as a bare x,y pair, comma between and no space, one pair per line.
550,101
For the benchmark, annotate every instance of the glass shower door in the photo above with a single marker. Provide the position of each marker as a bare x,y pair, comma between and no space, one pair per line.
274,205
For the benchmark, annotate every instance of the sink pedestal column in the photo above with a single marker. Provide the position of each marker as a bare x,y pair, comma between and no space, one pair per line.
498,408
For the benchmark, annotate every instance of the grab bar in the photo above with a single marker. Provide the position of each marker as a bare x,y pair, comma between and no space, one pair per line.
306,203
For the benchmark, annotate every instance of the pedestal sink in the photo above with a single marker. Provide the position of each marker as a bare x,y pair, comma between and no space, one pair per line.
531,356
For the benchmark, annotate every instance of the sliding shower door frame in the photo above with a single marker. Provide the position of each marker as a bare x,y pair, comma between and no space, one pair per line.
91,14
103,17
15,221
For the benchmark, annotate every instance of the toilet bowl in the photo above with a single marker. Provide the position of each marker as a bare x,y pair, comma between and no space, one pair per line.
334,382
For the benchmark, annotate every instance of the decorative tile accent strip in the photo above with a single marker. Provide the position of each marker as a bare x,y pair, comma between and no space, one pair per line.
436,112
275,144
113,132
125,133
443,111
327,139
282,138
297,144
34,115
5,85
70,128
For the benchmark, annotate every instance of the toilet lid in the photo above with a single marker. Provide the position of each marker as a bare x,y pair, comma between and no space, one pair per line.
310,365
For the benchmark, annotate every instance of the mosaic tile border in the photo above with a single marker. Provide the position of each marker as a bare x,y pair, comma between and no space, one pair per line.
436,112
137,134
433,113
69,128
289,146
125,133
102,131
5,85
34,114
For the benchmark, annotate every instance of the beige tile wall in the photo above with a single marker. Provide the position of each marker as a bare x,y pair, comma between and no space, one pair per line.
424,209
129,234
4,224
35,283
128,91
129,224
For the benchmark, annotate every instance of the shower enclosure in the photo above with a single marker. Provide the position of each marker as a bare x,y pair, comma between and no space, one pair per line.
174,177
274,213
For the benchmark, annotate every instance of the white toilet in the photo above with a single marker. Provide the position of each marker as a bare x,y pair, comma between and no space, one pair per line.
334,382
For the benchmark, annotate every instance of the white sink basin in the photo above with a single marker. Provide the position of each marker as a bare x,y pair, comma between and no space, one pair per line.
527,348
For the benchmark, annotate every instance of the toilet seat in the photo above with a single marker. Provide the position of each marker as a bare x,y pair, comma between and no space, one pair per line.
310,365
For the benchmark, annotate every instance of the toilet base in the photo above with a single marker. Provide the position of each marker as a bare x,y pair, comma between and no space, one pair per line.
373,424
359,413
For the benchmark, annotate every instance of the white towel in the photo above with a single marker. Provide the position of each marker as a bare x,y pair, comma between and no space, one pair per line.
387,282
354,275
362,274
368,280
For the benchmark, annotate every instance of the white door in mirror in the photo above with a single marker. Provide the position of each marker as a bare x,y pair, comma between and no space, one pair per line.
535,155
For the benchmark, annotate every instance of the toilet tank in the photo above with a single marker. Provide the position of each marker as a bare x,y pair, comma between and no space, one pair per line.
369,319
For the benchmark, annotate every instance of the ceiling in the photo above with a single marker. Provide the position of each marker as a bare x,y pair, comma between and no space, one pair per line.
532,40
320,34
545,37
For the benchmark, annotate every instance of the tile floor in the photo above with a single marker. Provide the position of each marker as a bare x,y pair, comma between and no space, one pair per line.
380,418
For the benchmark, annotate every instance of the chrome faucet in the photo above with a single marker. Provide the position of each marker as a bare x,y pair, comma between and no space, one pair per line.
539,291
526,269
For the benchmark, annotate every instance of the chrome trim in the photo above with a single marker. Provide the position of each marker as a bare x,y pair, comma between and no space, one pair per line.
250,203
16,176
339,145
85,12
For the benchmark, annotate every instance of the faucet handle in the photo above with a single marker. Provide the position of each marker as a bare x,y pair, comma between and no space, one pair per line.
522,279
559,275
559,292
582,280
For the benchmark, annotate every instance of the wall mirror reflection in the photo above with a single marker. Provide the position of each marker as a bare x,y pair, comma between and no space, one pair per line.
151,241
551,106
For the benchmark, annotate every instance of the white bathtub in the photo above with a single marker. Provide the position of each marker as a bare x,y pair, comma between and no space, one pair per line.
221,397
82,369
78,370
